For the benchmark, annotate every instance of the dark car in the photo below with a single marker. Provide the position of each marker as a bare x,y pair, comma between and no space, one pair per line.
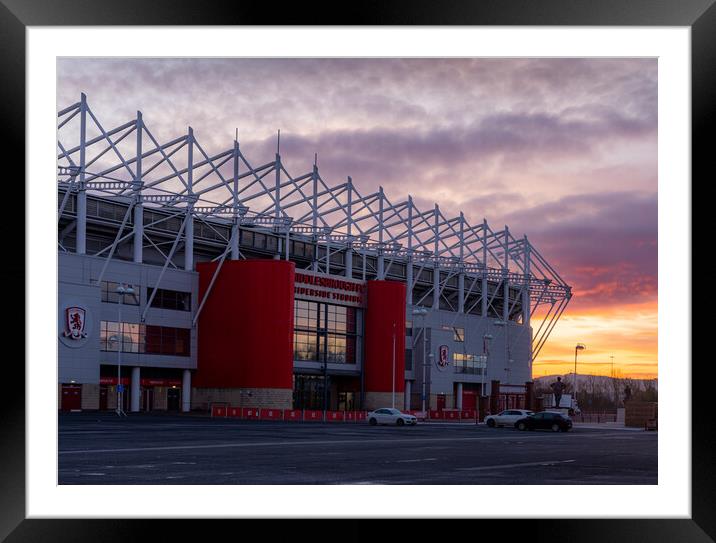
545,421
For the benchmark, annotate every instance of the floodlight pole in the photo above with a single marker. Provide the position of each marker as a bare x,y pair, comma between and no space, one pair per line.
120,412
423,312
120,393
393,382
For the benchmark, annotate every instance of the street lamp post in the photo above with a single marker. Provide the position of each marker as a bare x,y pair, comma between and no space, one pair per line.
485,352
422,312
393,383
507,348
578,347
121,290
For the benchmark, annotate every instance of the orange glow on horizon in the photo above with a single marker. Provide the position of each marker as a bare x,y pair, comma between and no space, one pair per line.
628,333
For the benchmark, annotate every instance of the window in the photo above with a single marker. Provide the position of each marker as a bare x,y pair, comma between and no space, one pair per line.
247,237
324,332
130,339
469,363
458,334
167,340
140,338
259,240
408,328
297,248
408,359
170,299
110,294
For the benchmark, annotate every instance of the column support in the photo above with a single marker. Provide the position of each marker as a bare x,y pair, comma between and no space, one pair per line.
235,234
81,245
349,221
409,266
505,282
189,228
134,393
186,391
138,207
485,294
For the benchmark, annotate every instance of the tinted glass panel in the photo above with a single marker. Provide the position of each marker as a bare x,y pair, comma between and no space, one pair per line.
170,299
110,295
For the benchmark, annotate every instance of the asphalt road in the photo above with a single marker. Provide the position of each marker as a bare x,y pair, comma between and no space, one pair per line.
164,449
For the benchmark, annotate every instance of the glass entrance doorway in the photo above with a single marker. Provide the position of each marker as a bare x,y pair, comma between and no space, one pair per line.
346,401
308,392
173,399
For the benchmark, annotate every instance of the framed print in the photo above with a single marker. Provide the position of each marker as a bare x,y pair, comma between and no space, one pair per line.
274,293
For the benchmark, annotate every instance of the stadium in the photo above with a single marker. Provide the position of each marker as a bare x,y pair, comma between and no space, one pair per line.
190,278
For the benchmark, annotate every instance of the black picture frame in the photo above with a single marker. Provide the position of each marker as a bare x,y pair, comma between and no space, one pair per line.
16,15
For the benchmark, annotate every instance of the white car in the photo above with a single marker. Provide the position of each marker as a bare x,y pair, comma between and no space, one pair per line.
389,415
507,418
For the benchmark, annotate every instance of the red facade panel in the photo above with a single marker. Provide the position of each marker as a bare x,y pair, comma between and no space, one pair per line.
385,320
246,325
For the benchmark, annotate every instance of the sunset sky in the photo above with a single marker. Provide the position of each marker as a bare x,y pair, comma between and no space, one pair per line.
563,150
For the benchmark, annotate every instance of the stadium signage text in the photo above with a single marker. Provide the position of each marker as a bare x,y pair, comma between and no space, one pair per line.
328,289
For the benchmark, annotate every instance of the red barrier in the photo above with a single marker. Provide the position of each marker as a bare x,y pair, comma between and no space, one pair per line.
467,414
350,416
313,415
271,414
335,416
361,415
235,412
435,415
293,415
250,413
451,415
218,411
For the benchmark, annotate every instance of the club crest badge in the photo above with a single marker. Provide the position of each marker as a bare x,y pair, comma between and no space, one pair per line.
76,319
443,359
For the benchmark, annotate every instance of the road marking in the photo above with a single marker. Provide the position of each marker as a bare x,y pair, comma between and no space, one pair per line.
281,444
415,440
523,464
416,460
83,432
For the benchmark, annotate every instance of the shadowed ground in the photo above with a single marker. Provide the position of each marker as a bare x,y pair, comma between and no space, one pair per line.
163,449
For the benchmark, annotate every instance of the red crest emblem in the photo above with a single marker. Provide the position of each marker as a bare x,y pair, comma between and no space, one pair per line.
443,360
75,322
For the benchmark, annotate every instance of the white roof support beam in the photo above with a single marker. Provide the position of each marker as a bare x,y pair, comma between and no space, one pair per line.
216,189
